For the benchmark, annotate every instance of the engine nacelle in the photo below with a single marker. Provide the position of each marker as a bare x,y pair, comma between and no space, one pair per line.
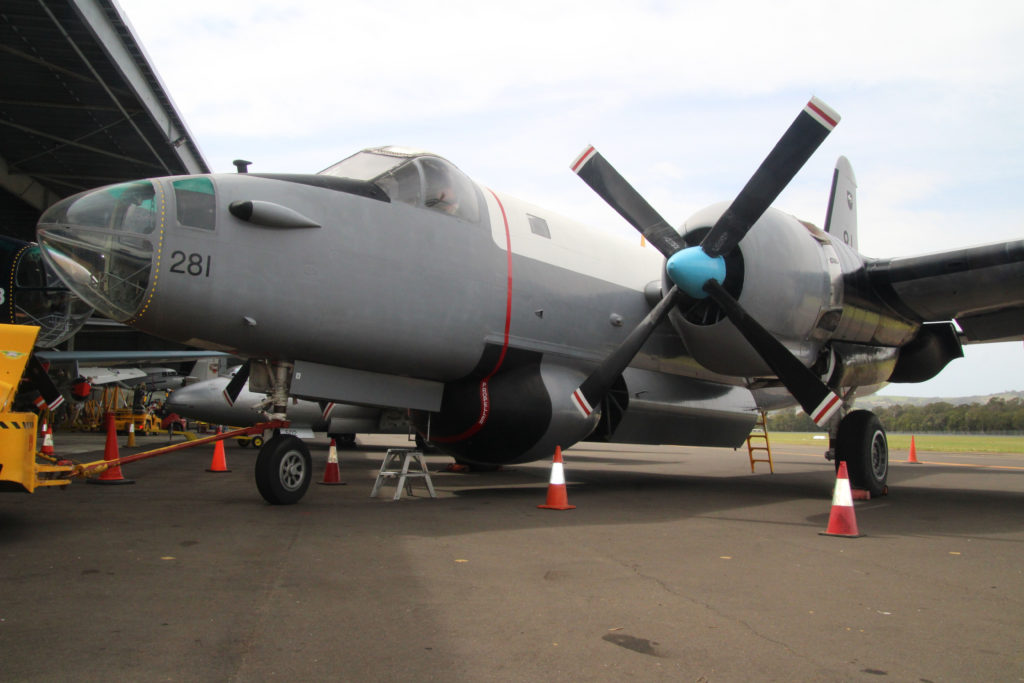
518,414
786,274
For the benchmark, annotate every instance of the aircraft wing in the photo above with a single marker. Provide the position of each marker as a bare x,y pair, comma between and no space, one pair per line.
98,376
126,357
981,288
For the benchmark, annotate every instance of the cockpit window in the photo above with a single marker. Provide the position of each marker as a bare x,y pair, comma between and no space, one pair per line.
402,183
414,178
194,201
364,166
128,207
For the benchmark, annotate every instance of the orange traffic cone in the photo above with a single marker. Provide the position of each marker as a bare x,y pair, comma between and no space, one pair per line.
912,458
47,440
557,499
332,474
841,520
111,475
219,462
131,435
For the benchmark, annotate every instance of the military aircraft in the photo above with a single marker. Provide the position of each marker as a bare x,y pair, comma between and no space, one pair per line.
392,279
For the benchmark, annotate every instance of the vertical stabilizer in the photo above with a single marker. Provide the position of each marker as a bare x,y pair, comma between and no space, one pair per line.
841,220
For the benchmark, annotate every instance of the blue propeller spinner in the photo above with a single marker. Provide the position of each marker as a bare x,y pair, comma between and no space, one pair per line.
691,268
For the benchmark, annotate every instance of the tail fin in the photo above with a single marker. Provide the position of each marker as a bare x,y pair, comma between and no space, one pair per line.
841,219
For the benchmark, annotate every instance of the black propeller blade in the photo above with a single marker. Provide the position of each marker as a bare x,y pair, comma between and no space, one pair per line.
596,386
699,271
621,196
234,387
50,396
811,393
791,152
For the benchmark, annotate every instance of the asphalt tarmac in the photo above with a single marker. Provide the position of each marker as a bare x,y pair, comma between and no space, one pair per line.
677,564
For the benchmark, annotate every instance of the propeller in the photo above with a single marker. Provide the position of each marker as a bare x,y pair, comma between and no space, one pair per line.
698,272
50,397
234,387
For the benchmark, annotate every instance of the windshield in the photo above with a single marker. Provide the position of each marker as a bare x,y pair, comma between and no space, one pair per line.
414,178
365,165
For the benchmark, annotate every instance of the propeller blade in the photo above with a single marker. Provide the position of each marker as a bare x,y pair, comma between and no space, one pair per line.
621,196
595,387
234,387
810,128
50,396
817,400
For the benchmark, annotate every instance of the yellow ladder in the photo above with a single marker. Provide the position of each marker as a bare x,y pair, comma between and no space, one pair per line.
760,431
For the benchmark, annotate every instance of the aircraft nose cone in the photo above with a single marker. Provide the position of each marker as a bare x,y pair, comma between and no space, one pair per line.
101,244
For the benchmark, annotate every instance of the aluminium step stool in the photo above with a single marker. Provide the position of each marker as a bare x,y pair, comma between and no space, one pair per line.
388,471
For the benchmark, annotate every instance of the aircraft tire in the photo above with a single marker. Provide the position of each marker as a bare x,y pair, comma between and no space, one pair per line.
283,470
862,444
344,440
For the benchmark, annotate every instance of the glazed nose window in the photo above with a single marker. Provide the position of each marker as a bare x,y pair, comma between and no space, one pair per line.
101,244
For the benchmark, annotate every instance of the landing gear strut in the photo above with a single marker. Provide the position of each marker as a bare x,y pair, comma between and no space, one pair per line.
860,441
283,466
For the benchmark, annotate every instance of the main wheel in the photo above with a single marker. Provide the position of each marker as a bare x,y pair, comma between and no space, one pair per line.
344,440
283,470
862,444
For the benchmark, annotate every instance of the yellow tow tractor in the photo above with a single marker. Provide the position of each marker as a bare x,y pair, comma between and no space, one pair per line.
22,466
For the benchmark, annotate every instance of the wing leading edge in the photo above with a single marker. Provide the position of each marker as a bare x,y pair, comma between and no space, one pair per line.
981,288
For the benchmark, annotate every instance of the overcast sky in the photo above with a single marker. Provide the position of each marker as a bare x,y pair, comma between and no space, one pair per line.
685,98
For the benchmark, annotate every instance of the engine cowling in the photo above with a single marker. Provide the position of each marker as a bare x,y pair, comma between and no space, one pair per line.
518,414
791,283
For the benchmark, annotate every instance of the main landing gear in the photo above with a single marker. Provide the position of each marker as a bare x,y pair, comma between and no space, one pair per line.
860,442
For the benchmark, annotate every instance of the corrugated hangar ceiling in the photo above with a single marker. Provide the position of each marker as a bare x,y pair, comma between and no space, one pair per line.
80,107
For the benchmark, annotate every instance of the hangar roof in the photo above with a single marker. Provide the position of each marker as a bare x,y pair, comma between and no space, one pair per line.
80,107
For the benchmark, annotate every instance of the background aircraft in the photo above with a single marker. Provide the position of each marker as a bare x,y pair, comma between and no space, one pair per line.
205,401
508,330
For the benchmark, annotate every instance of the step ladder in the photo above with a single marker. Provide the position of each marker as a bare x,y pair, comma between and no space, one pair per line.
759,432
389,469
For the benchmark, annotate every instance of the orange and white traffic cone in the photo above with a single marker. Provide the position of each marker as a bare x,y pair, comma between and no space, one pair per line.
131,435
332,473
912,458
111,475
557,499
47,448
841,520
219,462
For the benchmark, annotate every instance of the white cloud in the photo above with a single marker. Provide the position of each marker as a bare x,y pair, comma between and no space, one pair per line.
685,98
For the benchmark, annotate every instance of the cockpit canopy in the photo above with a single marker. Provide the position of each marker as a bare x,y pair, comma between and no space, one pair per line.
414,177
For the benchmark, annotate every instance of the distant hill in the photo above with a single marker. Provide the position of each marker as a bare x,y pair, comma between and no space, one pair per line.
876,401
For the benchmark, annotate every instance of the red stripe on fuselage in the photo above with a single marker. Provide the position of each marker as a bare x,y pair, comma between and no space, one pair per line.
485,398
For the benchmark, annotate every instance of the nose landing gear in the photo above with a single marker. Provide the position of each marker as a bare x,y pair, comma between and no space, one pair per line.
283,467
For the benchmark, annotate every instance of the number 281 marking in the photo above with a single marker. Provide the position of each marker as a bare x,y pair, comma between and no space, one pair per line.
196,265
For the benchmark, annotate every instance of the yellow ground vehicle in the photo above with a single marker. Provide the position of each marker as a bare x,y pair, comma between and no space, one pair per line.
20,468
23,468
145,423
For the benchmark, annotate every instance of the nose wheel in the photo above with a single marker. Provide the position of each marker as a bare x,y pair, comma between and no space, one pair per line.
283,470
